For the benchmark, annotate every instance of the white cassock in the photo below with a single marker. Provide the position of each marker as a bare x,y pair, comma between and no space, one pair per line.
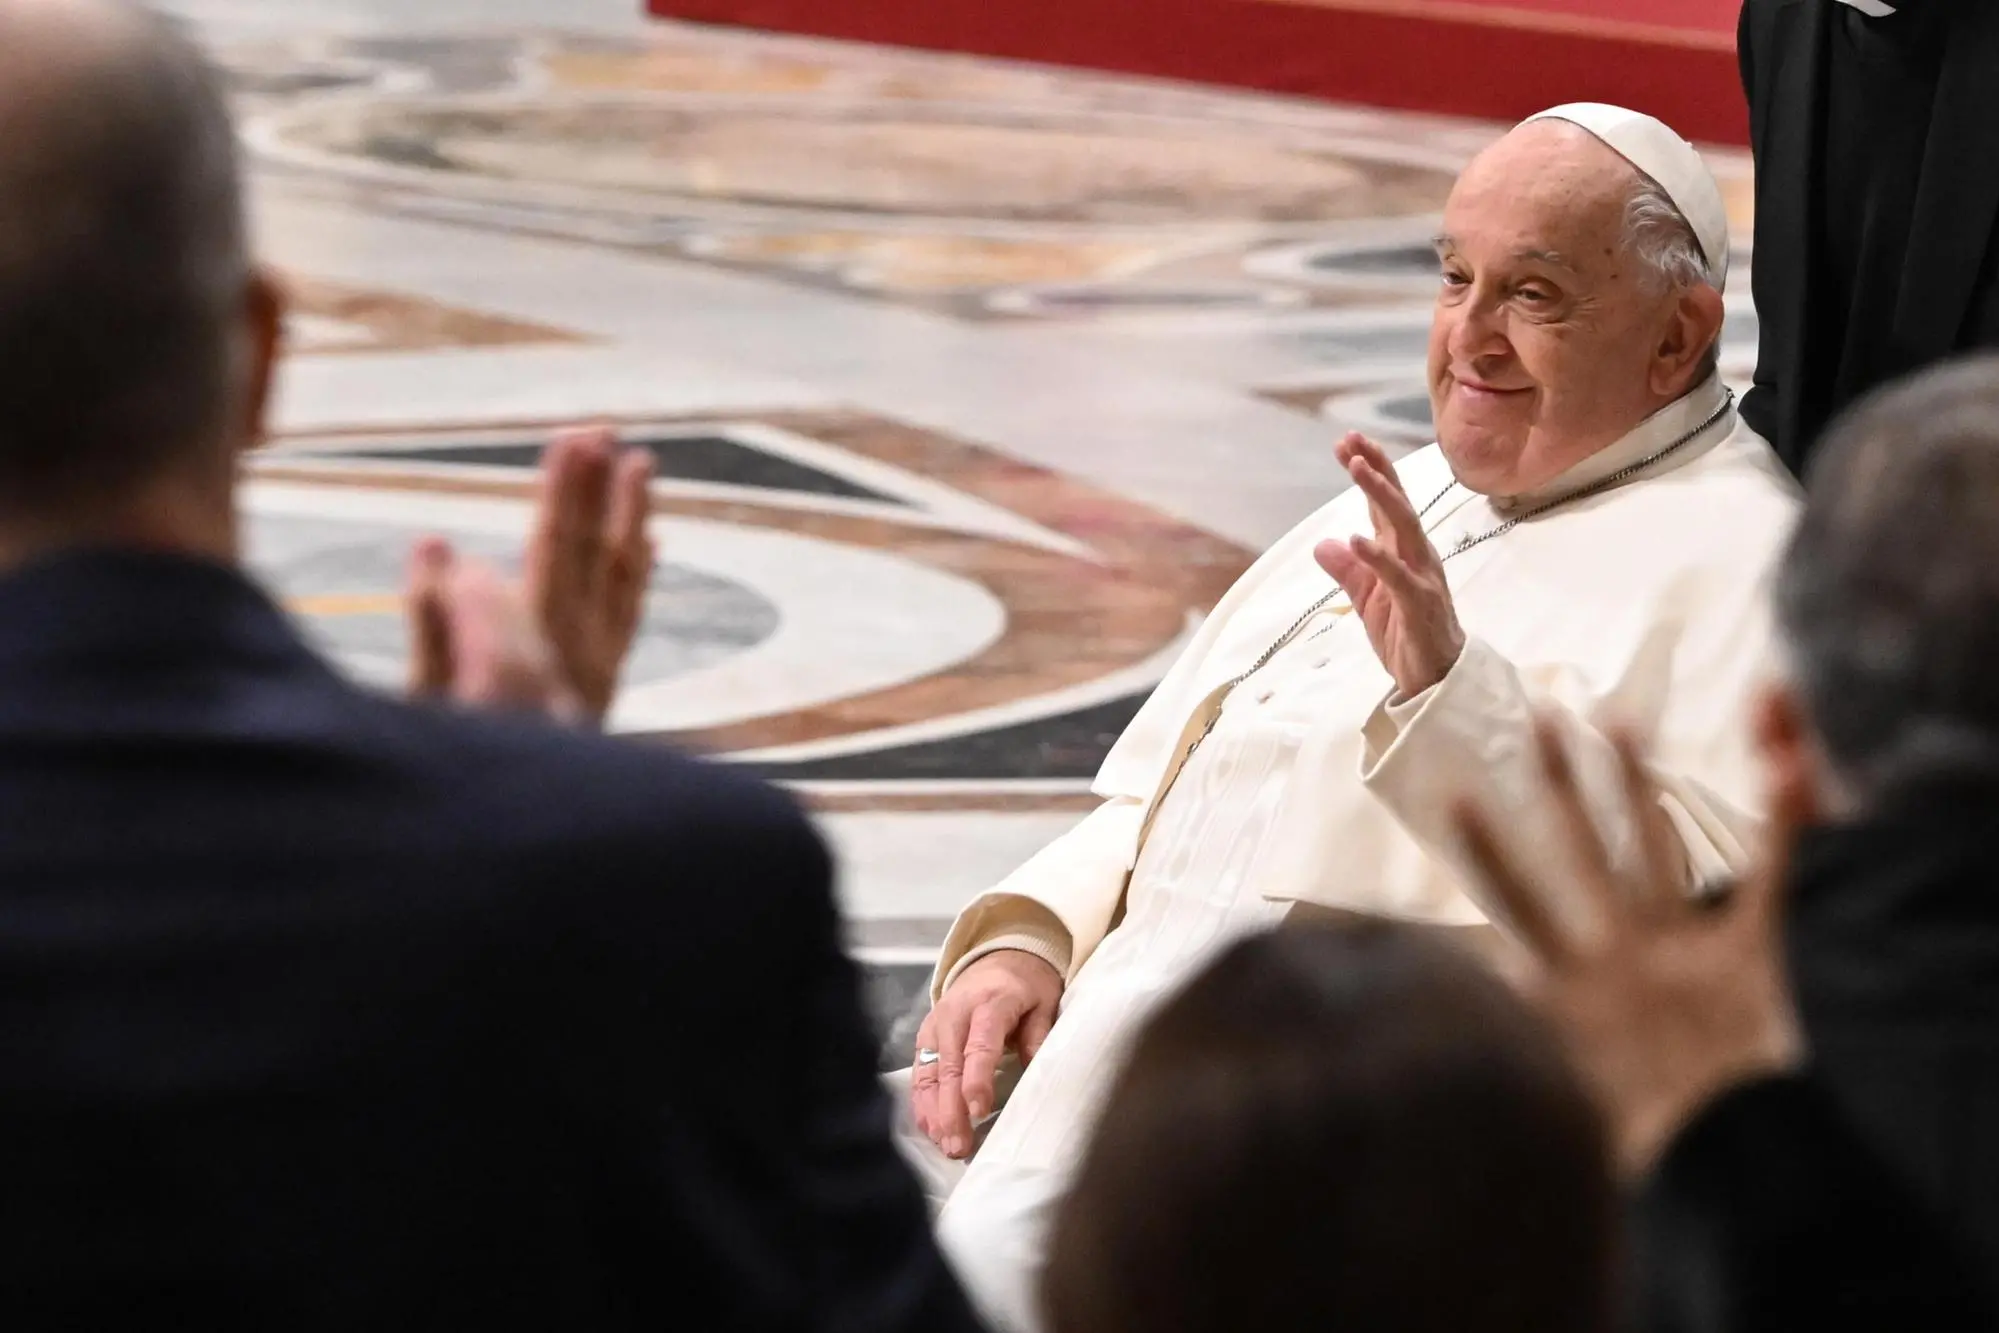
1644,603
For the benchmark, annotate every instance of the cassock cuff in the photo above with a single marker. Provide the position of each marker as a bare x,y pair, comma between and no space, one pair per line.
1395,717
1009,922
1402,711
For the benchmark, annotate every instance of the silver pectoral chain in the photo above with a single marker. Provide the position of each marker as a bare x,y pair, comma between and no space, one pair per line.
1615,479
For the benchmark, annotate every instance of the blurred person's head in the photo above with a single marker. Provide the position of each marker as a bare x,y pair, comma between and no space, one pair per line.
1346,1127
1576,298
1888,597
137,339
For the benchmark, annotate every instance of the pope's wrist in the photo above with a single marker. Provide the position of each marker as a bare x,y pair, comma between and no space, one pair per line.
1414,687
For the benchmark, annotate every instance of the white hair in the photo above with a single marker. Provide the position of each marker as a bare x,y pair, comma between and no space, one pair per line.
1658,234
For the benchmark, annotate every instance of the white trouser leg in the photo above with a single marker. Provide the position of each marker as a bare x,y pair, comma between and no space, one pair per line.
993,1234
994,1231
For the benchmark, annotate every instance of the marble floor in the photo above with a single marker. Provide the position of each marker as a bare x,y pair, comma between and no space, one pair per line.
971,385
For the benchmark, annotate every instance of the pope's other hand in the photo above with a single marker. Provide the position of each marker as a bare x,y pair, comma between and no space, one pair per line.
1006,1000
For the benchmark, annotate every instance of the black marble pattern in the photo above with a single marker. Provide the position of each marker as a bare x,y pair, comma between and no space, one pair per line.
1387,261
714,458
1067,745
1414,409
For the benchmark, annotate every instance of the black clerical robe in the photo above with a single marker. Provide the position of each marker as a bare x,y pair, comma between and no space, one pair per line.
1894,944
1877,195
1771,1213
1866,1193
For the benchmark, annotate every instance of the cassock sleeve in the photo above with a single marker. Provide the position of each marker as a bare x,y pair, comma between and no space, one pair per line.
1059,905
1471,736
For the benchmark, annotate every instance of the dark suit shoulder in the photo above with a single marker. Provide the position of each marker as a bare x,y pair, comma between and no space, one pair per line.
578,827
566,783
653,897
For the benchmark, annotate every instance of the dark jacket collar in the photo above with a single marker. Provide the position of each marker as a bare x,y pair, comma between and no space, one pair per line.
1900,910
121,608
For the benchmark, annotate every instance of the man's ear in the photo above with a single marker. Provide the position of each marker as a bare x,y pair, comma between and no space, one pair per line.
1694,327
1793,765
264,303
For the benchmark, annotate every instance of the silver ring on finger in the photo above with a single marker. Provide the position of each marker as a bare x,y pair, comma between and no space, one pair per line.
926,1056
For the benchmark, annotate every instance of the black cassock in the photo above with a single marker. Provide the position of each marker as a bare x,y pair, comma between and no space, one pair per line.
1865,1195
1877,195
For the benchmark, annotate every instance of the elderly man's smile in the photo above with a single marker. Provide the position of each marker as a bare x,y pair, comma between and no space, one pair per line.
1478,393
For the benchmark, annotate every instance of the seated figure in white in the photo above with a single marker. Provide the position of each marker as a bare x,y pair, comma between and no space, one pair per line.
1591,532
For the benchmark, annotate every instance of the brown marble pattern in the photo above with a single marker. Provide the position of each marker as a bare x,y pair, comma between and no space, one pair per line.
394,322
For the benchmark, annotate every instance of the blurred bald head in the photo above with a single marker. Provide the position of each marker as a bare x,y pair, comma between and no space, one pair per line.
124,277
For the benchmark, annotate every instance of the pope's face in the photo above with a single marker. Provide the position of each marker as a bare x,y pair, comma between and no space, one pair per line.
1545,346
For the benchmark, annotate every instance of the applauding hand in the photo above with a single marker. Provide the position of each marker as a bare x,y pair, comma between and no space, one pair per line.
589,560
472,640
558,642
1665,1001
1396,580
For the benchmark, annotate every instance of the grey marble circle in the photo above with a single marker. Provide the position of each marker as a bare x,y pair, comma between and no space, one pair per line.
692,619
1413,409
1402,261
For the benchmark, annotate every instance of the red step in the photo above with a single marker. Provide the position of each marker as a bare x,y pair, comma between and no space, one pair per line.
1500,59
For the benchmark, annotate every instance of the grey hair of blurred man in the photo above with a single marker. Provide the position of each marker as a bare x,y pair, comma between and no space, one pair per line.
1888,597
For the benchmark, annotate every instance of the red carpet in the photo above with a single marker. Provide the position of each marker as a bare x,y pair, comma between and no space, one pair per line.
1493,58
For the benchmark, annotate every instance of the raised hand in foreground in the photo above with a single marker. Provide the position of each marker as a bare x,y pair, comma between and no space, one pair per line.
557,642
1665,1001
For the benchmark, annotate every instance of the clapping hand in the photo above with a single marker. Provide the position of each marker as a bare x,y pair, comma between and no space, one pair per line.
1396,580
1665,1001
473,641
557,642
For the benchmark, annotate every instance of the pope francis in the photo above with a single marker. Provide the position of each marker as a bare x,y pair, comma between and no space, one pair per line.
1590,532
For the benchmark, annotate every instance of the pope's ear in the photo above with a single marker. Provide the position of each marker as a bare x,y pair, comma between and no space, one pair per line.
1693,327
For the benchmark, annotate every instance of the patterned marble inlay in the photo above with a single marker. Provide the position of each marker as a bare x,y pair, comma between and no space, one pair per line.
1074,615
984,191
898,176
1013,164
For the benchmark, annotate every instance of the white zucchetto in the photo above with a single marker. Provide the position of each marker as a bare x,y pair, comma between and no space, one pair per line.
1650,145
